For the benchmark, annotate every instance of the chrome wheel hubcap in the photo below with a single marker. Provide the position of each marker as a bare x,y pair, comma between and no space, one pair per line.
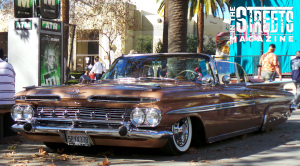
181,132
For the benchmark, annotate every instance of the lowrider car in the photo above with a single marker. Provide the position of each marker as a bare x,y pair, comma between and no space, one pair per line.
166,101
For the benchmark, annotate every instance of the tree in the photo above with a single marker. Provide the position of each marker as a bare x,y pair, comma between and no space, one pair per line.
111,18
177,35
6,13
211,6
209,46
197,7
144,44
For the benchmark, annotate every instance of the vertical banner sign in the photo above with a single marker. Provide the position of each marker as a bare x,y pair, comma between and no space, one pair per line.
50,60
50,9
23,8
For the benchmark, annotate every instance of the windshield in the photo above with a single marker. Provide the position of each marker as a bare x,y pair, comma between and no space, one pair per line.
234,70
159,66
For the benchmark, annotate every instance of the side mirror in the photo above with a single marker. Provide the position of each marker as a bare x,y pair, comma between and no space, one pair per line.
208,80
226,80
84,79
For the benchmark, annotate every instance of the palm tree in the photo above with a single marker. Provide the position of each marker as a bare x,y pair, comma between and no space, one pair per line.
196,6
211,6
177,25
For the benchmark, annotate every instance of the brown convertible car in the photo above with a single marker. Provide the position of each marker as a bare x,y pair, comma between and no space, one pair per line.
166,101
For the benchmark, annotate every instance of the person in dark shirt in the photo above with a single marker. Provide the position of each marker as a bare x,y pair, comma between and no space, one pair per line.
295,66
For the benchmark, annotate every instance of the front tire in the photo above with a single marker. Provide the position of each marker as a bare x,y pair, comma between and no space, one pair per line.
181,139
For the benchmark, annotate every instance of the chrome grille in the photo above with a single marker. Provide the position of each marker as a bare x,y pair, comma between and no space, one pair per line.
119,114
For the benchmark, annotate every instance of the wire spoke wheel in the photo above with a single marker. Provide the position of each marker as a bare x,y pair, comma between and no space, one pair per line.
181,139
181,132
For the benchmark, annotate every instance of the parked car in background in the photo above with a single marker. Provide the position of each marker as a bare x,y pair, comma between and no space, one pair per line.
166,101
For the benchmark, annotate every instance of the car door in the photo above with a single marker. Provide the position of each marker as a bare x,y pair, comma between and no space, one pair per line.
237,102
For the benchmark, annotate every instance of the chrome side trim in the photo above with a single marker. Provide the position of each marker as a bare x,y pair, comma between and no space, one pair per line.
132,133
229,105
270,83
272,100
213,107
233,134
265,120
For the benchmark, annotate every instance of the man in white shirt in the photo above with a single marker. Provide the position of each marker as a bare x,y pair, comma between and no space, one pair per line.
98,69
7,81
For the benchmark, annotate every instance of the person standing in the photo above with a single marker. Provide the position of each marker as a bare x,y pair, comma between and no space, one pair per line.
269,65
98,69
295,66
7,81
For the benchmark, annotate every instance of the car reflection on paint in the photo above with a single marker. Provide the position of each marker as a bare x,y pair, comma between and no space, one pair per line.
164,101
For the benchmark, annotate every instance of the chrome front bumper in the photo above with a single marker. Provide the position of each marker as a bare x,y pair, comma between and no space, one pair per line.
130,133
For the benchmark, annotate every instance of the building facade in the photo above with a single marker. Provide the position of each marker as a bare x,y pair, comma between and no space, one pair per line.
146,20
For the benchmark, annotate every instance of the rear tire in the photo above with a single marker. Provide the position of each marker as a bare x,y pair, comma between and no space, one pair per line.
181,139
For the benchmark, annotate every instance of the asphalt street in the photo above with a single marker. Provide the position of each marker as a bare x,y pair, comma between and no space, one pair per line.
281,146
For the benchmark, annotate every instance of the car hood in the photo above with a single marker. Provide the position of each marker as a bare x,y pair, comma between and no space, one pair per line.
117,89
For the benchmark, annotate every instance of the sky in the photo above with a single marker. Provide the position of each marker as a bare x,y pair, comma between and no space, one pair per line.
151,6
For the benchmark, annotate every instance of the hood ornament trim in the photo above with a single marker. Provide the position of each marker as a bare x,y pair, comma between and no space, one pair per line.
75,93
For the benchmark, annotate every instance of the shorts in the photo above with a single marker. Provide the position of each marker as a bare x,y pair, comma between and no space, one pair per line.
266,75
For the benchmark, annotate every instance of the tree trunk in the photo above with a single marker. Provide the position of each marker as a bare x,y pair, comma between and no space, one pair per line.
65,11
177,37
200,26
165,30
65,19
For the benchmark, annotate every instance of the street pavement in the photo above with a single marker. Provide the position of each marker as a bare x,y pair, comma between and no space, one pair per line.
281,146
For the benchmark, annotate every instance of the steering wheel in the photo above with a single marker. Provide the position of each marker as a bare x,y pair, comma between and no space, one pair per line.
190,75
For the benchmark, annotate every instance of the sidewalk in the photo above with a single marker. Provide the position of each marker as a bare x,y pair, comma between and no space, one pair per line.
281,147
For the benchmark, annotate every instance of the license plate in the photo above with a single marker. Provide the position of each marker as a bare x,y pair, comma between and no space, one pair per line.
77,139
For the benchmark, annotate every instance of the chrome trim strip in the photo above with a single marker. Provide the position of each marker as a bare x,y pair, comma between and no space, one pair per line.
24,98
213,107
233,134
229,105
265,119
78,120
132,133
272,100
139,99
269,83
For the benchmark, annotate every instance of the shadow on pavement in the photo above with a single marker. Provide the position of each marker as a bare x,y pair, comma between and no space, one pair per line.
280,144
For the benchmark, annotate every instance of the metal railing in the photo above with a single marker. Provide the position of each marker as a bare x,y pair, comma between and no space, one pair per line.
251,67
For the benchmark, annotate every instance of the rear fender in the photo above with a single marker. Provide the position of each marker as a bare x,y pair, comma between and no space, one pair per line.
275,115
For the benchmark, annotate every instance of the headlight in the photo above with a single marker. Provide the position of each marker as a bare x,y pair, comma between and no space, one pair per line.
16,112
21,112
137,116
145,117
28,112
153,116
